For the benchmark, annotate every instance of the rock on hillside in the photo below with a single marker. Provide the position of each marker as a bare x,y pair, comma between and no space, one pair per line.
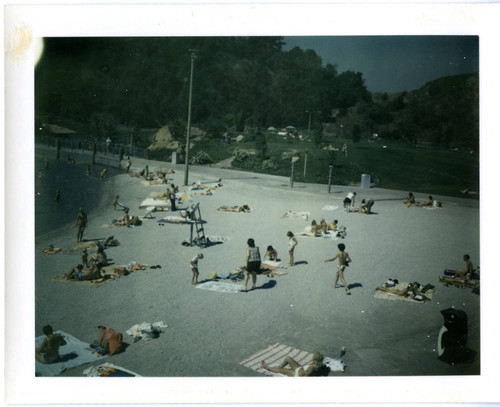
163,139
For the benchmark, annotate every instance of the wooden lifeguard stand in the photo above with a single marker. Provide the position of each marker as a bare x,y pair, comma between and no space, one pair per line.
196,223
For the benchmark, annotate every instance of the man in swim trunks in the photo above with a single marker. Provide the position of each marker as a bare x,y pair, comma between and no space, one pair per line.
194,267
344,258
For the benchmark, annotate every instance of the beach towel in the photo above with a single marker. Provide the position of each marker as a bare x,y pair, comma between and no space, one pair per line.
157,203
73,354
179,220
293,214
219,286
51,250
84,283
109,370
146,331
88,283
383,295
329,208
85,245
276,353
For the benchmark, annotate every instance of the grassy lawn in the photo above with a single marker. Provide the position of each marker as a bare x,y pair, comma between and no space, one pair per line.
398,166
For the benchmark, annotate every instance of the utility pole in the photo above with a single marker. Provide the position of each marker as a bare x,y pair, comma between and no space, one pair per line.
309,125
186,172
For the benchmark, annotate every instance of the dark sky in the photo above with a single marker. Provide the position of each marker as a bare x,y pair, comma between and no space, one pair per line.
395,63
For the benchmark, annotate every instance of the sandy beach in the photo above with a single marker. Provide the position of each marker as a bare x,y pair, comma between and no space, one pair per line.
209,332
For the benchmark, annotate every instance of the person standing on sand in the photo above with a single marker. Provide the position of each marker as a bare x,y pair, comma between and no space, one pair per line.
84,257
103,173
129,163
58,196
349,201
88,172
81,224
194,267
253,263
115,202
172,198
292,243
344,259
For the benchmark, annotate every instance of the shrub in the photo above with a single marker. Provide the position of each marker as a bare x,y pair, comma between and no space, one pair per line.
201,157
268,166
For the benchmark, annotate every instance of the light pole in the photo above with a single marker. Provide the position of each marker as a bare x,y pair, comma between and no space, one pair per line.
186,172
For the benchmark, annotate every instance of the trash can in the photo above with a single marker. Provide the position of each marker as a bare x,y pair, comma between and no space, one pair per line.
365,180
175,157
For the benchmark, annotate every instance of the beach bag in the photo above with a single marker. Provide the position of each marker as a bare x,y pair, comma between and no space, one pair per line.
135,221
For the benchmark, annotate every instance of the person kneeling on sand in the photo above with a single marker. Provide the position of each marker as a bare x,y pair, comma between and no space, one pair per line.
253,263
271,253
344,260
194,267
110,341
48,352
295,369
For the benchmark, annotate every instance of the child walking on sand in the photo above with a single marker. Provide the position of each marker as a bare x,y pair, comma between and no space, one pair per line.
194,267
344,258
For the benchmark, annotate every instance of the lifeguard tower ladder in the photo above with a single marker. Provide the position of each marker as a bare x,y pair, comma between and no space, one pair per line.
197,223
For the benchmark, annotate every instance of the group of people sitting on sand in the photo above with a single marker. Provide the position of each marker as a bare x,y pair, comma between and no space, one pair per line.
410,200
323,228
109,342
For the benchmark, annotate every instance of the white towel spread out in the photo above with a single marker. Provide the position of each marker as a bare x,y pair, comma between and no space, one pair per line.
146,331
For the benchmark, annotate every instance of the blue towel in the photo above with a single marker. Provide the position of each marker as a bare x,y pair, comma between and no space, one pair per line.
73,354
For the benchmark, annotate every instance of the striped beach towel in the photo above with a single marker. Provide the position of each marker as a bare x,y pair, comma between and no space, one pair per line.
274,355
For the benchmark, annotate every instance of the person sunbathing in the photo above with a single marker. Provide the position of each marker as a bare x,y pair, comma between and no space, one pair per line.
124,220
85,273
111,242
99,258
428,202
412,291
461,276
410,200
334,225
295,369
311,231
242,208
322,227
48,352
110,341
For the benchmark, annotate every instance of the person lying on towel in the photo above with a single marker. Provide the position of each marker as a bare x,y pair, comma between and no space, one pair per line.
290,367
242,208
85,273
412,291
311,231
48,352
